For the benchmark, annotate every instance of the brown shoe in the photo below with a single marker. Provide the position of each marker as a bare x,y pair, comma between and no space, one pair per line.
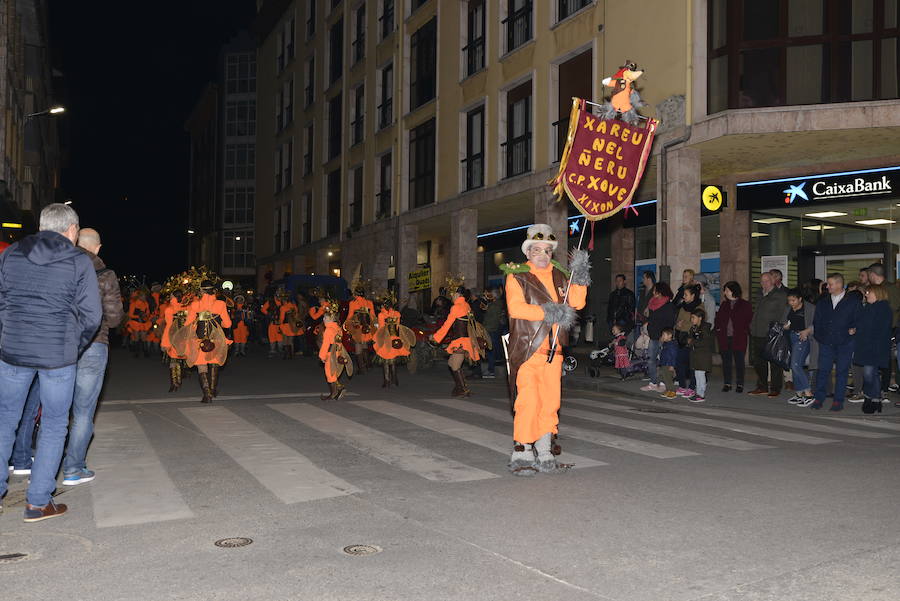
774,393
35,513
758,391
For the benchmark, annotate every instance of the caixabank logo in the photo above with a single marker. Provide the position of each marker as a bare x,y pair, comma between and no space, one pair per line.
875,185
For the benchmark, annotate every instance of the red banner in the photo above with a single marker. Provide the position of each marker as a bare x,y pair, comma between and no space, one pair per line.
603,162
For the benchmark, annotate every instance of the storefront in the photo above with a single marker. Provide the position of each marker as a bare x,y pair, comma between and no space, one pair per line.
813,225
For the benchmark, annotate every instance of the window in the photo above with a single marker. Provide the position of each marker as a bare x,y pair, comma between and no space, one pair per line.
473,164
306,230
789,52
240,161
287,161
286,104
240,73
308,138
333,217
421,164
386,101
359,113
567,8
336,52
383,208
239,200
335,121
359,38
474,49
310,18
517,23
282,227
285,44
423,64
238,252
240,117
309,84
356,198
416,4
387,18
279,166
518,130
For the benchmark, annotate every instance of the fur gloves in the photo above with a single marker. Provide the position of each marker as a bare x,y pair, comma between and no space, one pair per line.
580,264
559,313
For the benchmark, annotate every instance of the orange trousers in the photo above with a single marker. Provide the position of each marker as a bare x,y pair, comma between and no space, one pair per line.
537,398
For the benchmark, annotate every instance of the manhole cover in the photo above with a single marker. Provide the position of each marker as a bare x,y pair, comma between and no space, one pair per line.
11,557
229,543
358,550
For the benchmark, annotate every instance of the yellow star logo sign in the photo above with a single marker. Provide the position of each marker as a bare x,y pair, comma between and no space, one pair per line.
712,198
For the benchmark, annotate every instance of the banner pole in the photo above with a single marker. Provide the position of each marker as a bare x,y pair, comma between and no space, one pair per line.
552,351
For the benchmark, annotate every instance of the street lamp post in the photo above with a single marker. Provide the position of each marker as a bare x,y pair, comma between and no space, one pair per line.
56,110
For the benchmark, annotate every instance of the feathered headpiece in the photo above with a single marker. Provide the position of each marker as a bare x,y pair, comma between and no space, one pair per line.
388,298
190,281
332,309
454,281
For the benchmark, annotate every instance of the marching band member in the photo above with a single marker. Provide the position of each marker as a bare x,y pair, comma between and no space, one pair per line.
203,341
461,327
333,354
360,324
392,340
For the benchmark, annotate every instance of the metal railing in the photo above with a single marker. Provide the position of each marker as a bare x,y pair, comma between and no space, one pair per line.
385,113
474,52
518,26
518,155
560,133
473,171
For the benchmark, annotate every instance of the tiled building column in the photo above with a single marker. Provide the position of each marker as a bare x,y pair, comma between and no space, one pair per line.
407,244
678,217
734,245
464,246
555,214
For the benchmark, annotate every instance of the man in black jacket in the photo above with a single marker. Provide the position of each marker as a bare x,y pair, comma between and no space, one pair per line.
49,312
620,308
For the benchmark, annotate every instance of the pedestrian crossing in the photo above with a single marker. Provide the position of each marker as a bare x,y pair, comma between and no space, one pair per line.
437,441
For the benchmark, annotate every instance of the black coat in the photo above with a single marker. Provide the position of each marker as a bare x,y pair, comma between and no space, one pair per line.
873,335
620,309
49,302
664,317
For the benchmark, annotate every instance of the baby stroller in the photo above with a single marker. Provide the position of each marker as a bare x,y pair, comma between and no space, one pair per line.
637,354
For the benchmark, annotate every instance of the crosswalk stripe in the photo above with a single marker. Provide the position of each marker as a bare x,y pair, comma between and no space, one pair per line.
132,486
621,443
286,473
724,425
712,440
384,447
764,419
223,397
861,421
500,443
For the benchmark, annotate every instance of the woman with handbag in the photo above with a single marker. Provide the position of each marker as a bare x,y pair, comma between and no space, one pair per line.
732,327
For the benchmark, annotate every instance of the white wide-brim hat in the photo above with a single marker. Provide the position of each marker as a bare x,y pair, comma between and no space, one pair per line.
539,232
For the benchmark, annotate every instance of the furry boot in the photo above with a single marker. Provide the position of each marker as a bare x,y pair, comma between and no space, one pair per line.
204,385
332,390
521,462
546,462
214,380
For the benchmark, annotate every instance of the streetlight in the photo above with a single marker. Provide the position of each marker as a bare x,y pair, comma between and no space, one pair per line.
56,110
191,232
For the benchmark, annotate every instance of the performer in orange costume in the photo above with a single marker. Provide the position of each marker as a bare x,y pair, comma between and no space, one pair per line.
272,310
240,330
317,313
291,325
333,354
360,324
139,322
460,326
534,295
174,317
204,343
392,340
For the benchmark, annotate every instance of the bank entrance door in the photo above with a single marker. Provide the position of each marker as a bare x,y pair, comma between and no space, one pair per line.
845,259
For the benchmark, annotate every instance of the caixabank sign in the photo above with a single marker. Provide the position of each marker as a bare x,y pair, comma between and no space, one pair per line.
869,185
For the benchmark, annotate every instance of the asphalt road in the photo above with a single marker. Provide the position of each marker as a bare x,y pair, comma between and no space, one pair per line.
737,499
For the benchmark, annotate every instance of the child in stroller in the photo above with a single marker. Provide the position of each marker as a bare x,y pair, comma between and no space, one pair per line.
626,360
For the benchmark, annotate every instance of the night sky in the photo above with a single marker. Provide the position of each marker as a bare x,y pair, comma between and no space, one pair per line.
131,75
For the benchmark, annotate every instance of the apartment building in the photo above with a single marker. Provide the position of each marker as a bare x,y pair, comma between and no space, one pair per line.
425,131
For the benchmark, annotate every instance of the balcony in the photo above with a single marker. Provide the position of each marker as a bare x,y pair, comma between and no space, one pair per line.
518,155
518,26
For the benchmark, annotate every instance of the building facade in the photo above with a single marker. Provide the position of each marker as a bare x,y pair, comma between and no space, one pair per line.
222,129
29,141
426,130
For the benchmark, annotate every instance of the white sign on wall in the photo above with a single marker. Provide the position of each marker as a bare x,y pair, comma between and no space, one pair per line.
769,262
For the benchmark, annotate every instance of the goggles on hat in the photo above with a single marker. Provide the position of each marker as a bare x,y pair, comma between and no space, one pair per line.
540,236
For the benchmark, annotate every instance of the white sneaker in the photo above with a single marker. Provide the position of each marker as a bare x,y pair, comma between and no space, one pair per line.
22,472
856,399
806,401
650,388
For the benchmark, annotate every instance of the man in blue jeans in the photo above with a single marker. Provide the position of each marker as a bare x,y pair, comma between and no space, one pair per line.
49,313
91,365
834,326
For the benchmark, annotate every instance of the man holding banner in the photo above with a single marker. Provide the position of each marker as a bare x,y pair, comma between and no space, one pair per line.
540,315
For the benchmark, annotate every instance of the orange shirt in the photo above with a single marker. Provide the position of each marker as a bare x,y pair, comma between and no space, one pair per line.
210,303
361,303
460,308
519,309
317,312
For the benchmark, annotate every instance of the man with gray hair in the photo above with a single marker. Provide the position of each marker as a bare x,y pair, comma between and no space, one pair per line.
91,365
49,313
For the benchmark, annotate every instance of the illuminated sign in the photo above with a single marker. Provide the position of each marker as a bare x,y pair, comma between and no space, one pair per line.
712,200
866,185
